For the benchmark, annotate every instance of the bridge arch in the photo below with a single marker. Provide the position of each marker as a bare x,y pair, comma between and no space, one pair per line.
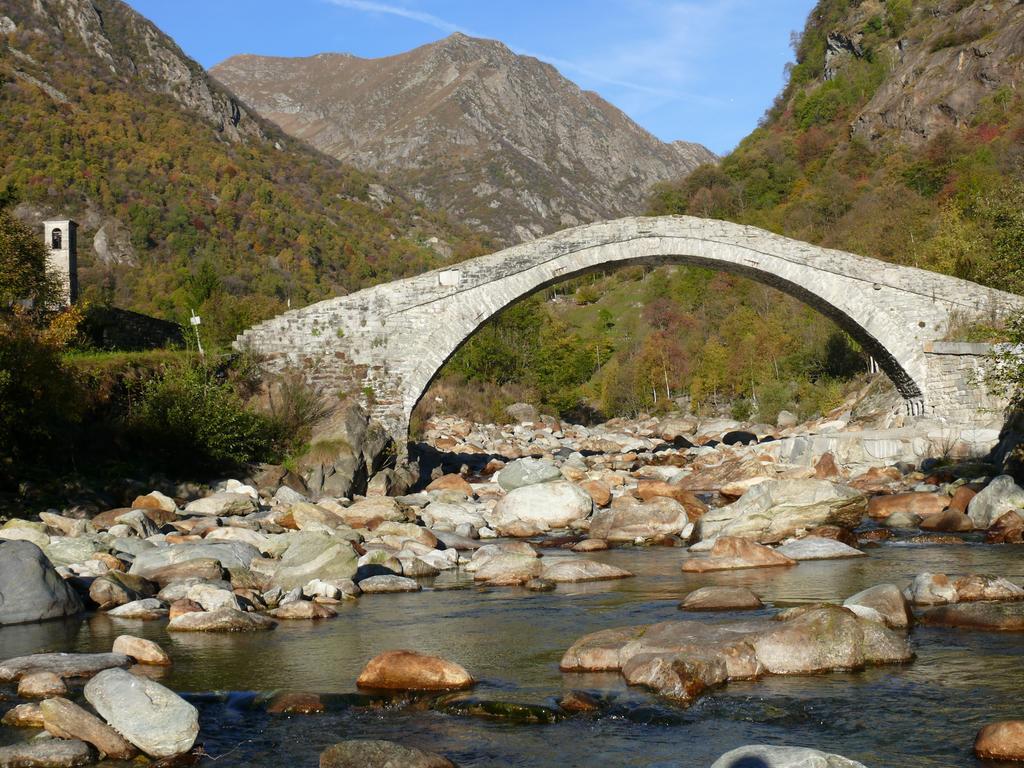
386,344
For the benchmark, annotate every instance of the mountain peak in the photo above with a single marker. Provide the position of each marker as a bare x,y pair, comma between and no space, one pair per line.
501,141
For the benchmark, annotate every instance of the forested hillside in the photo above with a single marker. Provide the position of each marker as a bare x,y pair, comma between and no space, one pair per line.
186,200
900,136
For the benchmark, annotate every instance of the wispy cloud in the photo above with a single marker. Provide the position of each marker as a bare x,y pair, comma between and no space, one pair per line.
369,6
592,73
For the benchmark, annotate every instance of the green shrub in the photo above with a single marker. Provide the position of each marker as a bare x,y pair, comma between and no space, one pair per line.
194,419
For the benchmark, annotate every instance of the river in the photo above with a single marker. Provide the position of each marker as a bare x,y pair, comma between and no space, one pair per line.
920,715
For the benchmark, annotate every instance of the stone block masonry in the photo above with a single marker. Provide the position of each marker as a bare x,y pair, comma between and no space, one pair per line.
384,345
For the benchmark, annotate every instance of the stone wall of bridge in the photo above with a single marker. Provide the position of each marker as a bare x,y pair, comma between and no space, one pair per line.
384,345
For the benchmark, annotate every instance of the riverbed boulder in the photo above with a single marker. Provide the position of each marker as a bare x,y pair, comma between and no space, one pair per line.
931,589
720,598
992,617
1000,496
555,504
764,756
315,555
887,601
777,509
682,659
303,610
449,516
367,511
975,586
146,609
403,670
388,583
23,716
153,718
230,554
66,720
628,520
577,569
508,569
41,685
527,471
63,665
950,520
817,548
652,489
732,553
372,753
116,588
223,504
30,587
221,620
1008,528
916,503
143,651
1003,740
47,753
198,569
814,639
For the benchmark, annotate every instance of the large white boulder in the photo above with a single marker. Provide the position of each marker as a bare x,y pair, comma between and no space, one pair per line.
153,718
557,504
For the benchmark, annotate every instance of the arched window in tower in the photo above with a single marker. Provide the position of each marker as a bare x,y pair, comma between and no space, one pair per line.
56,239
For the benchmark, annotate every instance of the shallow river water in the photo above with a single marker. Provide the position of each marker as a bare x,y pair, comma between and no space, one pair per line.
923,714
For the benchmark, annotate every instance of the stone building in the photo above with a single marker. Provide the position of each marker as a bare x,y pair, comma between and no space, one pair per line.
61,237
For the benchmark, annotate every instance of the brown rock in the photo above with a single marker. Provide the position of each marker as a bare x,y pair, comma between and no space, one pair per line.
106,520
599,492
1008,528
961,498
67,720
921,504
411,671
732,552
41,685
876,479
950,520
303,609
183,606
110,561
369,753
142,650
1001,741
975,587
579,701
590,545
205,568
649,489
826,468
295,704
991,617
721,599
875,535
451,483
23,716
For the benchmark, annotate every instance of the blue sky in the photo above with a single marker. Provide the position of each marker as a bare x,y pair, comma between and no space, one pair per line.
700,70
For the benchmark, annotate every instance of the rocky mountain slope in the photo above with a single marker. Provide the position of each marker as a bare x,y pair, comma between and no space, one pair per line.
898,136
501,141
186,199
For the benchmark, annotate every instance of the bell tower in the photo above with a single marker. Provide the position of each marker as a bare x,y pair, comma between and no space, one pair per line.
61,237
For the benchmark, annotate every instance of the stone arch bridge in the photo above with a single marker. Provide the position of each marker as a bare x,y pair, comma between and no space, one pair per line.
386,344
